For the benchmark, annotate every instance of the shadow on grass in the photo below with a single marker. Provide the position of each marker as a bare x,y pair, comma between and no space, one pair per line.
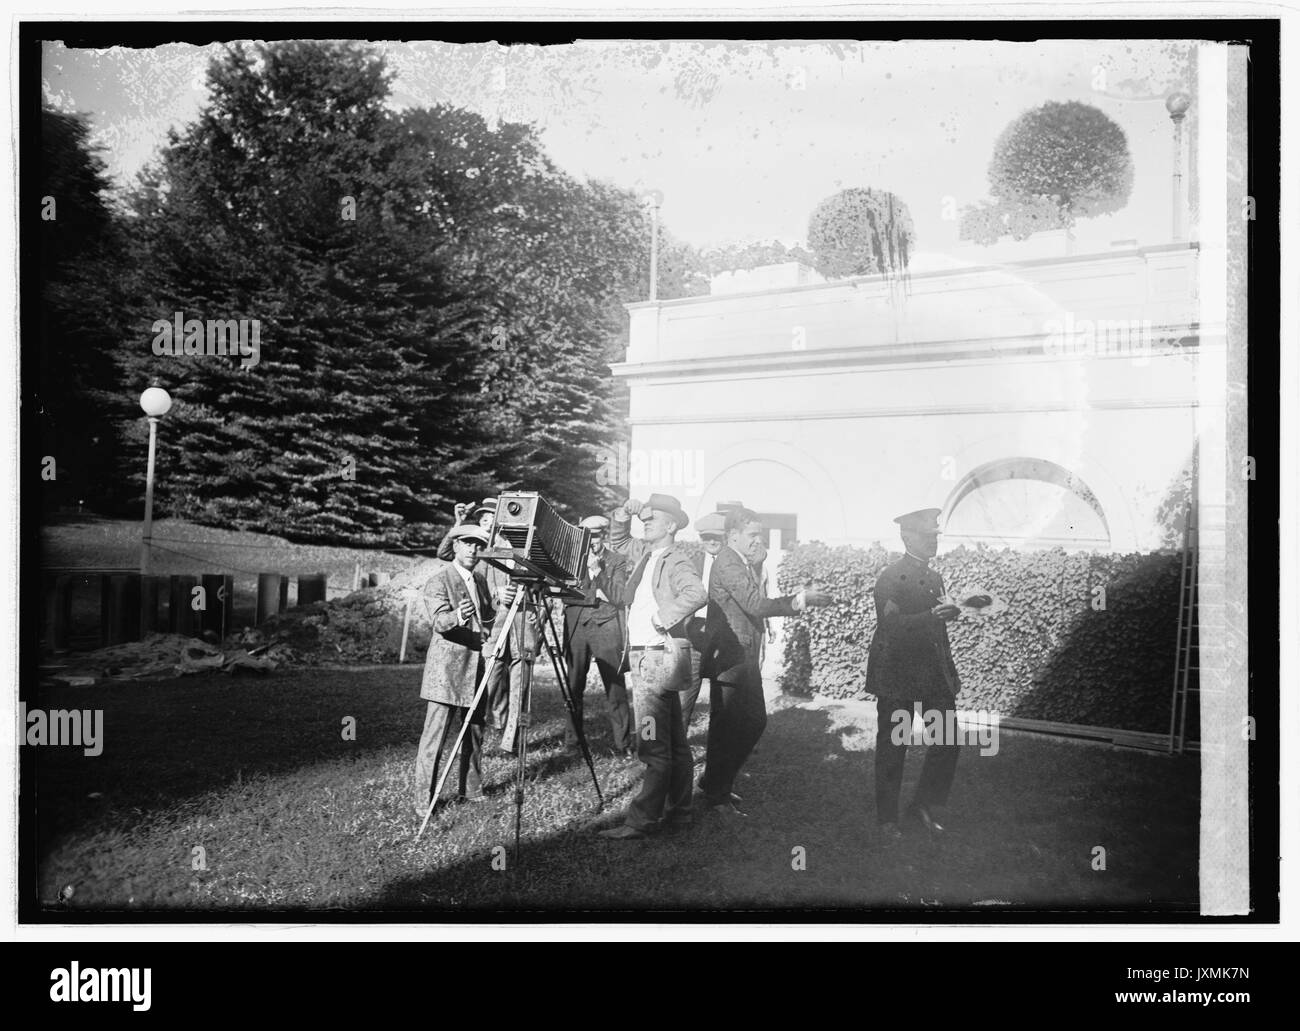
323,836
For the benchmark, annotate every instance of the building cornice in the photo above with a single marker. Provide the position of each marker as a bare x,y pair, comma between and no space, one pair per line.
1176,340
906,411
914,277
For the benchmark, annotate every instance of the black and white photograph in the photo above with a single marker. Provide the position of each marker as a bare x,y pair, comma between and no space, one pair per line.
647,471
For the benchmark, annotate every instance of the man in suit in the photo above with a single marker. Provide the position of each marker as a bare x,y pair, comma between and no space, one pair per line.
713,534
460,607
909,663
737,609
505,680
593,630
662,590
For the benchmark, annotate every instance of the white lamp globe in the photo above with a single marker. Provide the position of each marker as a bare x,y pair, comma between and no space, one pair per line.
156,402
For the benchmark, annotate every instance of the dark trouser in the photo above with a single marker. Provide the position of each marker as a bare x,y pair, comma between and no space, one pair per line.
605,648
441,722
940,759
665,795
737,718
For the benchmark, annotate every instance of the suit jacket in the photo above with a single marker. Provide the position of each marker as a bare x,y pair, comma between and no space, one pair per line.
455,660
737,608
910,658
497,581
678,589
592,616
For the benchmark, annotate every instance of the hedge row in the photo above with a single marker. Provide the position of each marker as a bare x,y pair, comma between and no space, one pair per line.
1051,655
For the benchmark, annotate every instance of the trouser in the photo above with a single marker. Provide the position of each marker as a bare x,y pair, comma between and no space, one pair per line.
737,718
891,750
691,695
515,721
500,682
442,721
665,795
608,659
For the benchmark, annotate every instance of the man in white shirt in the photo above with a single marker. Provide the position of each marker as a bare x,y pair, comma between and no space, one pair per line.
662,590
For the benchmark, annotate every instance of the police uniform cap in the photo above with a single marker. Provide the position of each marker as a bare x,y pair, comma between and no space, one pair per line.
923,520
595,522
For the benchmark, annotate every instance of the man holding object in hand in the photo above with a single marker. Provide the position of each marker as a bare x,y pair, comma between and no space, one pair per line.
910,662
737,609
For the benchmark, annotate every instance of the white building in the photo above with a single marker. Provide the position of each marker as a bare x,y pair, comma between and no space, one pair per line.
1047,401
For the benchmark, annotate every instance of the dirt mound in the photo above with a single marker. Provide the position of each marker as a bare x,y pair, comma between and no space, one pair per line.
362,627
160,656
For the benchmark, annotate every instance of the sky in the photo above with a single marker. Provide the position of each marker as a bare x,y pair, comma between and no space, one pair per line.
742,139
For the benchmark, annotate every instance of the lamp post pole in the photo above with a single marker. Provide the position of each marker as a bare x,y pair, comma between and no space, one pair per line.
156,402
1177,104
655,198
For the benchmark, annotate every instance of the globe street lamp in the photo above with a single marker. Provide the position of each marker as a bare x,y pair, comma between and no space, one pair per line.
156,403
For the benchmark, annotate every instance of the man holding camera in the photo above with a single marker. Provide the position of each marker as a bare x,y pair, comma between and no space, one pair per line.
662,590
460,607
910,662
593,631
737,610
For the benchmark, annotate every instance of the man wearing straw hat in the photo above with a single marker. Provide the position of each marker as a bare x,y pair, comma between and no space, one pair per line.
460,607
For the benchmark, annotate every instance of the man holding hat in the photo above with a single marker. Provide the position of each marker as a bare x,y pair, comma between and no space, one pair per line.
910,662
712,531
662,590
461,610
593,630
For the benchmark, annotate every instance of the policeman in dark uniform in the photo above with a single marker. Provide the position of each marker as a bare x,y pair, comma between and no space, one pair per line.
910,661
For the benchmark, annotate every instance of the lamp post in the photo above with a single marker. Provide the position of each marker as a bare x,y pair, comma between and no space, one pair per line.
654,198
1177,104
156,403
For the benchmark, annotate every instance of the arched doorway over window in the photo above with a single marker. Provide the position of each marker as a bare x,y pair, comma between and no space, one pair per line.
1025,503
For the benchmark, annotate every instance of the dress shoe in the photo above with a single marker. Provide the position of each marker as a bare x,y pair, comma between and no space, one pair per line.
926,820
727,810
890,832
622,833
472,799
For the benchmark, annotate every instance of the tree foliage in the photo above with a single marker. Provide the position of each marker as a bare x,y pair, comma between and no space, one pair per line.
438,304
859,232
1052,166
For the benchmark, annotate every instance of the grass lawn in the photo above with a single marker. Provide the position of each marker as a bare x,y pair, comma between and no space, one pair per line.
183,548
292,817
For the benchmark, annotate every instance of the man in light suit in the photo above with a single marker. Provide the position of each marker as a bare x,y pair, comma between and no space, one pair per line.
662,590
460,607
505,681
737,610
593,631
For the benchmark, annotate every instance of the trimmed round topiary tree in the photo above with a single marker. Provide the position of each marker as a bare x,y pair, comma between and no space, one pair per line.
1070,152
861,232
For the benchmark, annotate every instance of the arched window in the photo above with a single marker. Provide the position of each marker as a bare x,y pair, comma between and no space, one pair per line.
1025,503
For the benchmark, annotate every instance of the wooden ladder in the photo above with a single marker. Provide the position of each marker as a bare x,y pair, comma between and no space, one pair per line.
1186,665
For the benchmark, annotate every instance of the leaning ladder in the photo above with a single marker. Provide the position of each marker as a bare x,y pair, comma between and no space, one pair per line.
1186,669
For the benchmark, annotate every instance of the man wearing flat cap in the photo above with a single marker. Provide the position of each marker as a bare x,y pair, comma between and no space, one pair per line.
910,663
661,592
460,608
506,678
593,631
713,532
